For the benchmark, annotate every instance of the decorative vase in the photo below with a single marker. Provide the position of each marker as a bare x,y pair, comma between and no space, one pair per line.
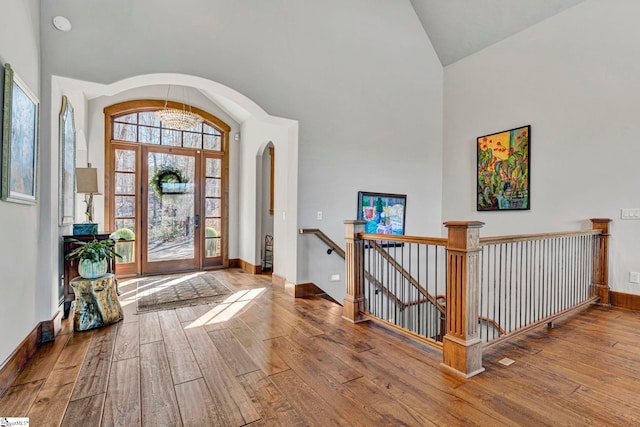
92,269
85,229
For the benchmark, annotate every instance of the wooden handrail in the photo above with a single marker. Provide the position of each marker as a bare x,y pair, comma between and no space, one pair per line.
409,239
407,276
338,250
494,240
378,284
462,318
480,318
326,239
494,323
435,241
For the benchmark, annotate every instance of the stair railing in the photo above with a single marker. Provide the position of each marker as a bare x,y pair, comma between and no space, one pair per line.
378,284
408,267
530,280
507,285
333,246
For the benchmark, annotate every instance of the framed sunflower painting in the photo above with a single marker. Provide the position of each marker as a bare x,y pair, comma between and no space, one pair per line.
503,170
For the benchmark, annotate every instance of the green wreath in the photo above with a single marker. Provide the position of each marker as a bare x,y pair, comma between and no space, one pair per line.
165,175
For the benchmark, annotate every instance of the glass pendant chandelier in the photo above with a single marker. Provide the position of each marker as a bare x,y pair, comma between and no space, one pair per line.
178,119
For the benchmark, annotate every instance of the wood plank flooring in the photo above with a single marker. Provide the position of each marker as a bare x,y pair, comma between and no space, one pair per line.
262,359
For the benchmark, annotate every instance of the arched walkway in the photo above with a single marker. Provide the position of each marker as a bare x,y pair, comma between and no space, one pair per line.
257,128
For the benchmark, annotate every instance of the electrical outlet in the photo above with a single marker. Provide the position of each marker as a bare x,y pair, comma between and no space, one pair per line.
319,215
634,277
334,278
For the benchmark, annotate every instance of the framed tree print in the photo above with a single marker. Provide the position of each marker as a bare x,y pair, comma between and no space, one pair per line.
19,140
66,163
503,170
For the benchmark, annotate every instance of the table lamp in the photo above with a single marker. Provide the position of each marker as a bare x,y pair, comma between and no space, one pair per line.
87,184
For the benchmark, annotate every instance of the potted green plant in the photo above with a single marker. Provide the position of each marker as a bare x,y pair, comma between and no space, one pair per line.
125,244
211,245
92,256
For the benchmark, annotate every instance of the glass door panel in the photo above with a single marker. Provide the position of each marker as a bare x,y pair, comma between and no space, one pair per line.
212,205
171,212
124,213
213,198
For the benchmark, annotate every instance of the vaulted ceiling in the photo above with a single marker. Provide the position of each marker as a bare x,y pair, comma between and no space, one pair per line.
458,28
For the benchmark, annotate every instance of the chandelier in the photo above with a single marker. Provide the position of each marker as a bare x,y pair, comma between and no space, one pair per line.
178,119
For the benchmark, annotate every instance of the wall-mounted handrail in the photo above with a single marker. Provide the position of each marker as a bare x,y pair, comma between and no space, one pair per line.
333,246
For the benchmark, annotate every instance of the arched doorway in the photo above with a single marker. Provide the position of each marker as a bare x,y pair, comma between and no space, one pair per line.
268,206
165,190
256,127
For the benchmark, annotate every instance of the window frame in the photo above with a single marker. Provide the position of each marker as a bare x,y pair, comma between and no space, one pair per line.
111,114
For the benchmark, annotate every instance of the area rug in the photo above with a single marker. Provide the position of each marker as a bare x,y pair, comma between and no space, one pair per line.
168,292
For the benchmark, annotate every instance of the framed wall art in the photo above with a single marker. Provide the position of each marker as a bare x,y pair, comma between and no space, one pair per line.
19,140
384,213
66,163
504,170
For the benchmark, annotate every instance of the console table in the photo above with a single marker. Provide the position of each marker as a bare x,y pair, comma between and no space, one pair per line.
71,266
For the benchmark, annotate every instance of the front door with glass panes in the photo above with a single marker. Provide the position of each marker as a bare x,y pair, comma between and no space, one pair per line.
166,192
170,210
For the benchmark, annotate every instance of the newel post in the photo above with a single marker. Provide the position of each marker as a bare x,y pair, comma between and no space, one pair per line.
601,263
462,348
354,257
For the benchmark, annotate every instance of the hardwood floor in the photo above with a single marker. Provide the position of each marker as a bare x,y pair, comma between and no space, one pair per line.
263,358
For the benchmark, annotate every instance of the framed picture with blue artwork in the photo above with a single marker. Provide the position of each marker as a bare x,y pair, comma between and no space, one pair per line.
19,140
384,213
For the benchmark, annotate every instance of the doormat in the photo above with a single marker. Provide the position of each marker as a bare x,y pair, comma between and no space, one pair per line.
169,292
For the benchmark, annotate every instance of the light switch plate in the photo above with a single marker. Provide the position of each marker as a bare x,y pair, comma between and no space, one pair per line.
630,213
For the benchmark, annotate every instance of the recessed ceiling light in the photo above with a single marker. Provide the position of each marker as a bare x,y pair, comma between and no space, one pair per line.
62,23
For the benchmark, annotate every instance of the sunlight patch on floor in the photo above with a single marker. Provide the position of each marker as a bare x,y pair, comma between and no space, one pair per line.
228,308
130,296
168,284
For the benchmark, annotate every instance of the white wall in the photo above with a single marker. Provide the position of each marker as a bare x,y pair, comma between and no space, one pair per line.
24,302
360,77
256,135
376,125
575,79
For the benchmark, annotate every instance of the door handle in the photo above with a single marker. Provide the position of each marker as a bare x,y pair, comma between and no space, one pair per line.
197,222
